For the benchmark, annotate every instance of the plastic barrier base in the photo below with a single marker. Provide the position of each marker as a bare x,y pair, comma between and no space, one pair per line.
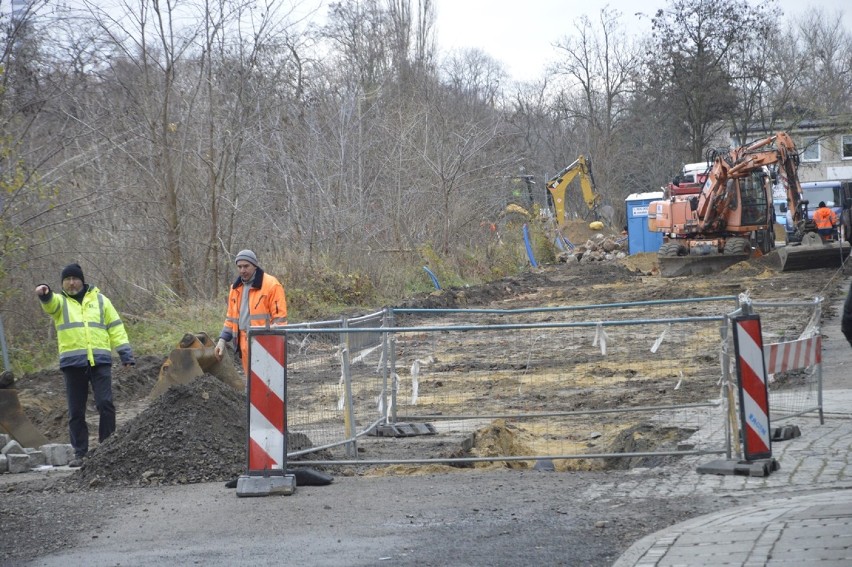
249,485
403,430
785,433
762,467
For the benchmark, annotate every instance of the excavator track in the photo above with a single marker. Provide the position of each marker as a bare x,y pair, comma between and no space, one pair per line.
694,265
675,260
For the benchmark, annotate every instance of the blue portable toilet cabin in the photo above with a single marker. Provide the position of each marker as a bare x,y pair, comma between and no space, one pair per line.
639,238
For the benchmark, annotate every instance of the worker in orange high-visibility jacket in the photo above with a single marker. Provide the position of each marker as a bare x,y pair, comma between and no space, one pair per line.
256,300
825,220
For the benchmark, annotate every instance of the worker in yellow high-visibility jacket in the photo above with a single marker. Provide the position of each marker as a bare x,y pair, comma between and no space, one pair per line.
88,329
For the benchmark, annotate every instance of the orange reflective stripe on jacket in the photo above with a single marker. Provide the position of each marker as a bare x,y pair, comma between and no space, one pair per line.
825,217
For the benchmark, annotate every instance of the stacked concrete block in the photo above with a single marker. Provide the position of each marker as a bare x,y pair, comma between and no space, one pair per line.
17,459
37,458
18,463
4,438
13,448
57,454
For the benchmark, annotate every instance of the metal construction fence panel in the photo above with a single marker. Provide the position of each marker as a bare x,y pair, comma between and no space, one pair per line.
795,377
587,386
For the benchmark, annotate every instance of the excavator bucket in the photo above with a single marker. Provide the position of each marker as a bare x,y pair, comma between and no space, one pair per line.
812,253
193,358
697,265
15,422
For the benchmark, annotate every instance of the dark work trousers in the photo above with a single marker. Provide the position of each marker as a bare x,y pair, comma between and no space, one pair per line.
77,381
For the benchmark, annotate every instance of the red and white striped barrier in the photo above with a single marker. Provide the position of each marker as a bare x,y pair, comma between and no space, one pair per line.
267,418
754,394
793,355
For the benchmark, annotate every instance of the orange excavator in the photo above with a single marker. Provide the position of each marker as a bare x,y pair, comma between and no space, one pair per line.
732,218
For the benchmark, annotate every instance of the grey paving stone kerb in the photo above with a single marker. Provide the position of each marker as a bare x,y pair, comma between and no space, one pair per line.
798,515
801,529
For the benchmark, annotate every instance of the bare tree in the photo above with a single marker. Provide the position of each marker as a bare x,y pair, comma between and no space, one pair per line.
475,75
690,62
826,64
597,68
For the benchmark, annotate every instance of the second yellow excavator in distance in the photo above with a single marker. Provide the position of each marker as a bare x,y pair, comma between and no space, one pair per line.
558,184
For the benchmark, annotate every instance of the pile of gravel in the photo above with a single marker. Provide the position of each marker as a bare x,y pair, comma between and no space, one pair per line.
192,433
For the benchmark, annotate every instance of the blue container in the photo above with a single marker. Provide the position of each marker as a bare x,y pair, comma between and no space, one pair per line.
639,238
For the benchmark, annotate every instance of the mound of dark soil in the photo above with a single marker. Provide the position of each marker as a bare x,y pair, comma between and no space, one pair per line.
192,433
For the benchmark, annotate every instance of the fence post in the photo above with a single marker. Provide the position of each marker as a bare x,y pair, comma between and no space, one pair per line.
731,429
6,365
348,407
394,379
387,323
818,317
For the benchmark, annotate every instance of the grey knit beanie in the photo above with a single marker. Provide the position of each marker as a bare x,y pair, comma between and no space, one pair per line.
246,255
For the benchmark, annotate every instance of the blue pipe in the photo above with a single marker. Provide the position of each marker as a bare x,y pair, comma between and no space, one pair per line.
434,278
529,245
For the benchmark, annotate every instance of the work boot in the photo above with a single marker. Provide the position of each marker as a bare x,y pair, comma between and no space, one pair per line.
76,463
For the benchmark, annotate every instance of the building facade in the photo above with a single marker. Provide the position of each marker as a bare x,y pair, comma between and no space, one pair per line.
825,147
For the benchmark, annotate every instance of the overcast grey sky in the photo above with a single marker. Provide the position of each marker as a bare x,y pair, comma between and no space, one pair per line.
533,26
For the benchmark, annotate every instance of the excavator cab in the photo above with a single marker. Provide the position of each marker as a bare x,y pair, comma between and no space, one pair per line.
756,209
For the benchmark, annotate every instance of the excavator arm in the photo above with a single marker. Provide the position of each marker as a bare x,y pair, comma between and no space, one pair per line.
560,182
719,194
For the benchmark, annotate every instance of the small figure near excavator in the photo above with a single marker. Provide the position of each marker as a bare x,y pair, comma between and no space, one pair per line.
825,220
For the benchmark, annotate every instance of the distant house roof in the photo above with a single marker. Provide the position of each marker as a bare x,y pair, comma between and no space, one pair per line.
829,124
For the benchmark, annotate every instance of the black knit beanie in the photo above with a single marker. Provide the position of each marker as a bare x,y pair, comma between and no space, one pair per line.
73,270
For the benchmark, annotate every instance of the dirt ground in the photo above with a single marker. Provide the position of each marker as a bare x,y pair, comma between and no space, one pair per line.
196,433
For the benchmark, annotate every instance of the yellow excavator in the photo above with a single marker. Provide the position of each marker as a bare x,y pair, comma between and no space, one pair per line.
582,169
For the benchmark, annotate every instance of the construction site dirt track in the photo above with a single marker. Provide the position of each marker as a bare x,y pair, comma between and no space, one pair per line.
195,433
